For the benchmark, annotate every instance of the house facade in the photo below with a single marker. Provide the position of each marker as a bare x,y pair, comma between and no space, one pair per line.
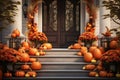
62,21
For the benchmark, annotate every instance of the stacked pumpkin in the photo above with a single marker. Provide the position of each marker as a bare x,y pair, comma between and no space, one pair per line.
75,46
28,70
34,35
91,54
15,33
35,51
21,55
97,56
27,51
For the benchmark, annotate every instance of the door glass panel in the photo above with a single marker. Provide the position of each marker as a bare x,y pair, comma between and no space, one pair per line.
53,15
77,17
68,15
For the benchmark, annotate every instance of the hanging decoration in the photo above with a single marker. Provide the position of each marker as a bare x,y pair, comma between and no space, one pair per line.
88,36
33,34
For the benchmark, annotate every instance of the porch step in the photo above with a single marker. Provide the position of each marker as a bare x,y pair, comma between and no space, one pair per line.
59,58
63,65
58,65
60,78
62,73
62,51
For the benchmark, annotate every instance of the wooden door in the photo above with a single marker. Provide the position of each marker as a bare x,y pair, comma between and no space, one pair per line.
61,22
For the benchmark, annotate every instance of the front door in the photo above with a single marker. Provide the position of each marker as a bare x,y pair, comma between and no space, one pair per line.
61,22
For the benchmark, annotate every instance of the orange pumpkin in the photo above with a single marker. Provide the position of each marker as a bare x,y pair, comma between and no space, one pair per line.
43,48
17,32
83,50
90,66
102,49
88,57
97,53
19,73
25,67
13,35
76,46
26,45
32,59
113,44
92,74
33,51
36,65
8,74
48,45
24,57
91,49
102,73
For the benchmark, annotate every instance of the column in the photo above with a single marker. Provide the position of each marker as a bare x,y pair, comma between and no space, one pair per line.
40,17
103,22
18,19
6,33
82,16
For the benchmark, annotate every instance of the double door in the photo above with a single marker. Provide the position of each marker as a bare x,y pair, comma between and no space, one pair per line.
61,22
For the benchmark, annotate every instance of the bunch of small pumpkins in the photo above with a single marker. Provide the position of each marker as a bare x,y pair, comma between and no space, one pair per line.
25,57
94,54
35,51
25,52
15,33
97,70
36,65
91,54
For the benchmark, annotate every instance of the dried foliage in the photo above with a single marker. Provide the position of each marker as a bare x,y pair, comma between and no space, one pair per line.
7,12
114,7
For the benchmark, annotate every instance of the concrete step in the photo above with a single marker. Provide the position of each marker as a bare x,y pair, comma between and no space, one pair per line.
58,65
61,78
60,51
62,73
63,65
59,58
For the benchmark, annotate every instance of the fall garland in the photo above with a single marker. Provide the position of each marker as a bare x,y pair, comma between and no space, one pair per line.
90,27
33,33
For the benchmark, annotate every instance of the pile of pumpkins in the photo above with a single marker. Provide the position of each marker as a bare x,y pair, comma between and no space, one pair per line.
35,65
25,51
92,55
24,54
15,33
